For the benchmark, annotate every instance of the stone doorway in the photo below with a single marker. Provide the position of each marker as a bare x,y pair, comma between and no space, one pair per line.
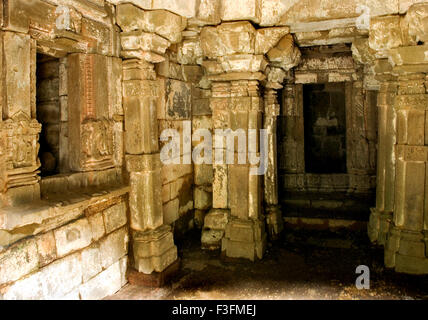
327,135
325,127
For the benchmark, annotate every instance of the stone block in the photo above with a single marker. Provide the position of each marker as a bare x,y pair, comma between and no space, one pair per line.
239,190
113,247
72,237
410,264
211,239
204,174
202,198
384,34
241,10
285,54
139,40
141,138
115,217
228,39
171,211
104,284
145,200
154,250
217,219
96,223
245,230
267,38
46,248
190,52
91,262
18,261
178,99
245,250
161,22
52,282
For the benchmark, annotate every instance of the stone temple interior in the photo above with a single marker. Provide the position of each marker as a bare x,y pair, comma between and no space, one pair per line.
89,209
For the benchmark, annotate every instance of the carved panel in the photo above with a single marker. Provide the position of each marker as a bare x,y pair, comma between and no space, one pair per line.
97,144
21,136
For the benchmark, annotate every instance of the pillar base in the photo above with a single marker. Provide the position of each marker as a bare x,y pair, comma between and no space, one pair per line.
244,239
406,251
275,222
154,250
214,228
378,226
155,279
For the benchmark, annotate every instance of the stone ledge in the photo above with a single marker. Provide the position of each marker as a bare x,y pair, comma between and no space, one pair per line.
52,212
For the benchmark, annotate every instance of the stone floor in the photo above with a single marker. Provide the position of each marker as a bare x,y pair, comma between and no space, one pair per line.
302,265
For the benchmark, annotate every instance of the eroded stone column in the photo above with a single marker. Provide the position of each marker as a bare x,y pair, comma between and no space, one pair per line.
146,36
406,245
272,211
381,215
19,129
236,62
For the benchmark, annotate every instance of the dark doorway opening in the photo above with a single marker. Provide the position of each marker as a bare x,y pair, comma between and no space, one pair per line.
48,113
324,108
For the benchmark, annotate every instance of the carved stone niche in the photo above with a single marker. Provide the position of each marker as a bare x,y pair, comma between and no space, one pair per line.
21,150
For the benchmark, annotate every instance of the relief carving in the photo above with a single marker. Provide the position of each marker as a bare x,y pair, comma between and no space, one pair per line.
97,143
21,134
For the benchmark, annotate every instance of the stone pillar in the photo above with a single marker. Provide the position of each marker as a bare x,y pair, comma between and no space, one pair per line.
273,213
153,244
19,129
235,62
407,241
381,215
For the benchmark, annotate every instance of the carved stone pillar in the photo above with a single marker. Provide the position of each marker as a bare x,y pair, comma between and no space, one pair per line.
273,213
19,130
153,244
407,241
235,64
381,216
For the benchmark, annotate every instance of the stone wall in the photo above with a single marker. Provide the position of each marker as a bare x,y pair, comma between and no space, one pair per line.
86,258
127,70
63,233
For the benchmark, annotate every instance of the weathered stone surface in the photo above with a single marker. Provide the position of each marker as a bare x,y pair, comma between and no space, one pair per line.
139,40
202,198
211,239
285,54
267,38
91,262
104,284
417,18
154,250
51,282
72,237
228,39
18,261
113,247
46,248
161,22
384,34
115,217
241,10
171,211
